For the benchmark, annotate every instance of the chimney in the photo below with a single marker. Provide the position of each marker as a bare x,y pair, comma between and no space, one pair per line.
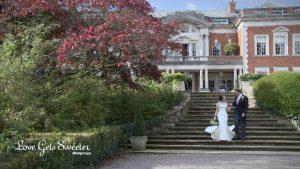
232,7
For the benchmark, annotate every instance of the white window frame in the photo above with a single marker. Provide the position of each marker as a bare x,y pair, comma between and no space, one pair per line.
267,45
278,69
194,49
296,69
286,45
262,69
294,44
220,45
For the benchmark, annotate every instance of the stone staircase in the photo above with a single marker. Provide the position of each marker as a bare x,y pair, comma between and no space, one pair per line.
264,133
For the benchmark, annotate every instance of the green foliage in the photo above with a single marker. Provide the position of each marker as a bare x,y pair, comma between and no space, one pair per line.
139,125
153,99
25,63
79,104
251,77
278,93
173,78
231,49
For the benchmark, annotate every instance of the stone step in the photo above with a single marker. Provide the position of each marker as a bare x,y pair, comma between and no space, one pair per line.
228,98
209,117
205,124
212,93
203,111
259,121
214,107
205,116
176,128
208,137
251,133
211,142
203,104
225,147
211,113
215,100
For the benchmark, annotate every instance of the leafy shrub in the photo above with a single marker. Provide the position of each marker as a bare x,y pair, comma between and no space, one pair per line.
173,78
139,125
81,103
231,49
251,77
153,99
278,93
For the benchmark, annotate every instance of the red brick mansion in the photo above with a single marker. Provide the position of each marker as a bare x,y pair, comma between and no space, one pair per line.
267,40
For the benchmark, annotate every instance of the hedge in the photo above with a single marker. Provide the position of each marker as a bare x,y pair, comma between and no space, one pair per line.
279,93
251,77
103,142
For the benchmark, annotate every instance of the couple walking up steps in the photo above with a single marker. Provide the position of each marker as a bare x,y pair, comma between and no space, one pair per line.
223,132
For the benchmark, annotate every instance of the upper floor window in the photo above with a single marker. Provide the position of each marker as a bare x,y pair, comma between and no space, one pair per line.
261,45
216,49
296,38
280,41
220,21
185,29
279,45
194,49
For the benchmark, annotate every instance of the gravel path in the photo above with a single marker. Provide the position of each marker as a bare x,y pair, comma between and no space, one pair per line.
203,161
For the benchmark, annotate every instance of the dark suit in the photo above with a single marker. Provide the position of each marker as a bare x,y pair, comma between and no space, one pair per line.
239,121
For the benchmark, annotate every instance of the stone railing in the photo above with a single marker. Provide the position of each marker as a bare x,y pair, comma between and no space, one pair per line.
173,115
248,91
185,58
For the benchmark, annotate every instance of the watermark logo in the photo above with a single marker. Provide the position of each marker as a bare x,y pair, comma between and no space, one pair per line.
43,146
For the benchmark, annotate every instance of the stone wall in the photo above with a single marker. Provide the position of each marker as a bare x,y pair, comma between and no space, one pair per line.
248,91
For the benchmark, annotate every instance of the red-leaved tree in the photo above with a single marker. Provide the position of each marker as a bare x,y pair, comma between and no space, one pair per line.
117,38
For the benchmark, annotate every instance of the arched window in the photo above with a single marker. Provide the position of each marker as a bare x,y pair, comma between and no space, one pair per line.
216,49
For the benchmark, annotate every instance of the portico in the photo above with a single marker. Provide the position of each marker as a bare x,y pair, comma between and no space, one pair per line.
208,76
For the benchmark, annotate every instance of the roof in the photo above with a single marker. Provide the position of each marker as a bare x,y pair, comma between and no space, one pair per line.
207,13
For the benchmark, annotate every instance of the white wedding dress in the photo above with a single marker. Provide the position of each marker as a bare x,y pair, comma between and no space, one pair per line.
222,132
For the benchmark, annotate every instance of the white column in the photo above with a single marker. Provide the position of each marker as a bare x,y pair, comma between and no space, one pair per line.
234,78
173,70
240,72
206,78
193,82
201,79
207,45
203,46
167,70
190,49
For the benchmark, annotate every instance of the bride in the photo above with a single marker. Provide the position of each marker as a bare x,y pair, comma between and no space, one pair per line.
222,132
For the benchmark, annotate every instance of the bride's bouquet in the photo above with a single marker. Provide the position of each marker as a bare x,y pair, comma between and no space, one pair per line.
214,122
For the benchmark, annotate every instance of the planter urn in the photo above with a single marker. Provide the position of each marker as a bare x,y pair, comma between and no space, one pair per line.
138,143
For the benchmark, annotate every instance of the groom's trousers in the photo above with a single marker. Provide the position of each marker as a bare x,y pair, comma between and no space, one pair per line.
240,125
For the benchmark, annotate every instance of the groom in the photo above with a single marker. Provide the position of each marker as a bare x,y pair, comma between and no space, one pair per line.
241,106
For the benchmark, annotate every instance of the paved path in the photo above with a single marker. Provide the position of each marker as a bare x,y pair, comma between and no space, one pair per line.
204,161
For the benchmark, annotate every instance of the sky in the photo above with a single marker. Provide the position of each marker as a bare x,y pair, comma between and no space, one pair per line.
171,5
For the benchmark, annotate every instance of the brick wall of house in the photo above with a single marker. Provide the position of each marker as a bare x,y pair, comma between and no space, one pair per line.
223,39
271,61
